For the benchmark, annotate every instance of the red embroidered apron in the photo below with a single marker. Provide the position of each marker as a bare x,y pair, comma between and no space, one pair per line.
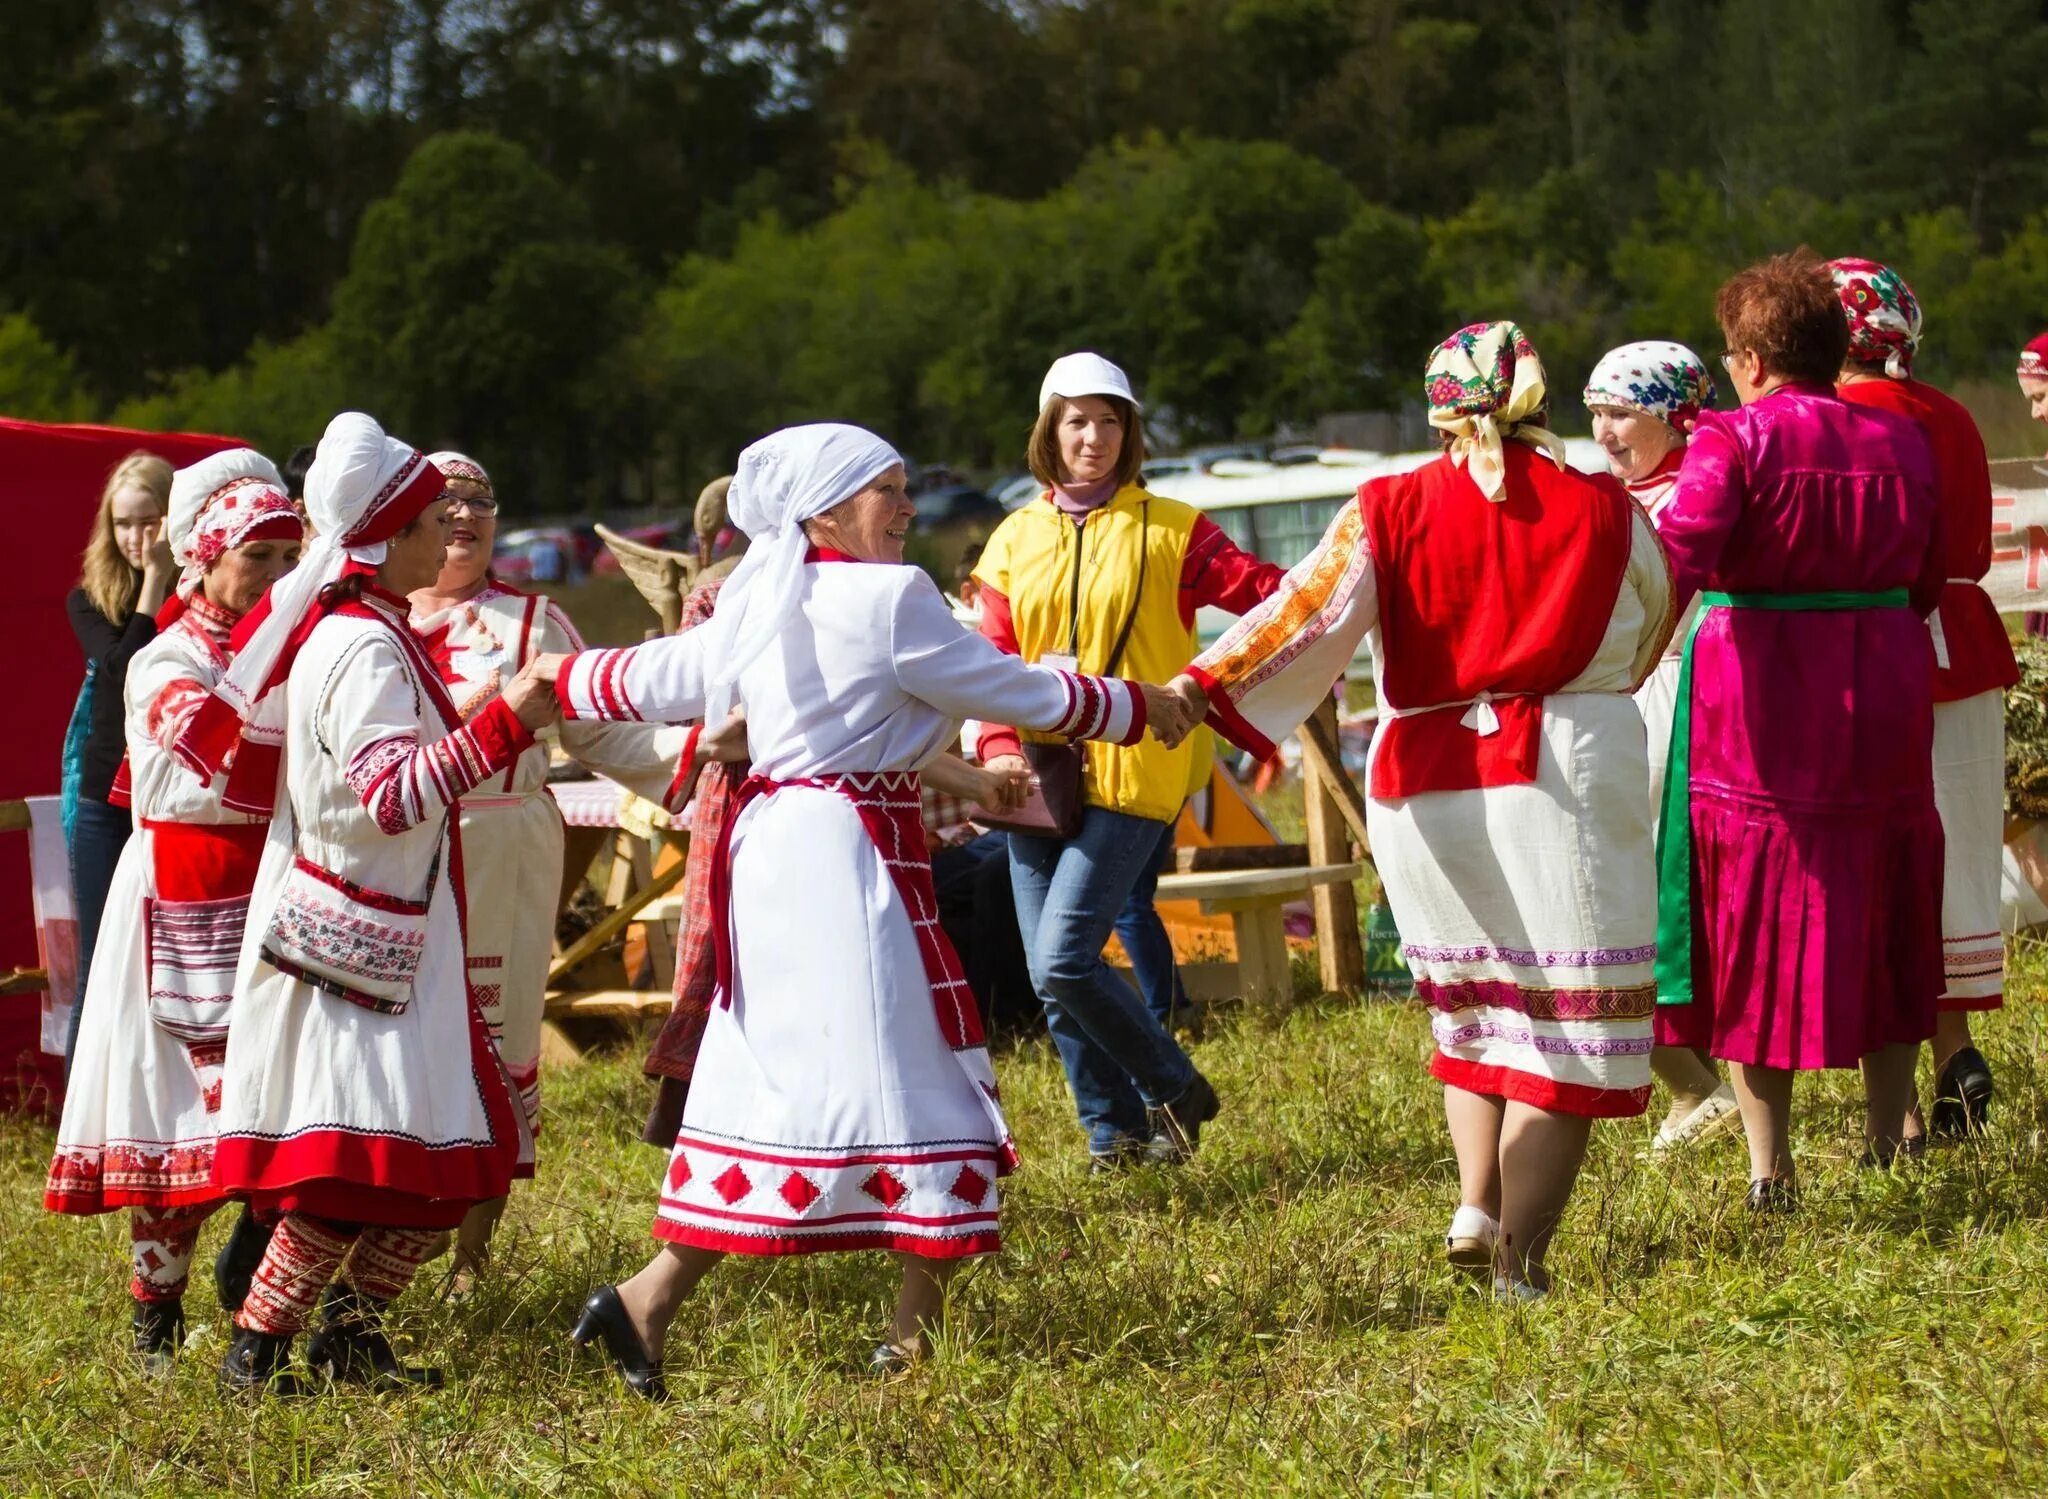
890,806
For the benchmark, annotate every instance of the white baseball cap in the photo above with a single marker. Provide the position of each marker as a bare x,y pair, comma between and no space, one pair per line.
1075,375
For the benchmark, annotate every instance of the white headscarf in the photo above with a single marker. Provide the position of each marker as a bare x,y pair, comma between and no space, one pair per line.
782,481
216,503
362,487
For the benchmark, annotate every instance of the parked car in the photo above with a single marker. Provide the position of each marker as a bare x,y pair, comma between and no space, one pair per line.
1015,491
952,504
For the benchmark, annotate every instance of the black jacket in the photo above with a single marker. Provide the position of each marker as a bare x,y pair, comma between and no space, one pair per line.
111,645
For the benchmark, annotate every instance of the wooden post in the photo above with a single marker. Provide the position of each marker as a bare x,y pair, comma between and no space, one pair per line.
1338,946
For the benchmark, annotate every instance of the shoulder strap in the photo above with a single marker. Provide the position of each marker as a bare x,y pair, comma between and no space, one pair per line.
1123,638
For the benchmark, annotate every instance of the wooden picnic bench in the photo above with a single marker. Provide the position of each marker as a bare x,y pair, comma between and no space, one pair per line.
1253,899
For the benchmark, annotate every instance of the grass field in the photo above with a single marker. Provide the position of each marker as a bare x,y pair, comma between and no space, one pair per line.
1274,1317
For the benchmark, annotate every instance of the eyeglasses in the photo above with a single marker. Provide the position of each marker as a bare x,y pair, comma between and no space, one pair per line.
475,504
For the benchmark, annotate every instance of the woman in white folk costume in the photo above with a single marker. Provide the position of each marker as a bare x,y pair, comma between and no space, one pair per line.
1645,399
362,1099
842,1098
1513,606
140,1109
479,632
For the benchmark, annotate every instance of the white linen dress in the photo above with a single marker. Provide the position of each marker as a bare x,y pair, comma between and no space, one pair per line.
841,1100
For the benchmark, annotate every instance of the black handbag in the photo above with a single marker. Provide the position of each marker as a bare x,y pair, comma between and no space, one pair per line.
1053,808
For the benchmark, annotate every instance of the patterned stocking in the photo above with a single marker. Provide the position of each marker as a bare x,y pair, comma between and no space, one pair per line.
385,1260
302,1258
163,1240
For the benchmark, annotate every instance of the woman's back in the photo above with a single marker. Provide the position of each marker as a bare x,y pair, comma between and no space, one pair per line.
1816,713
1807,493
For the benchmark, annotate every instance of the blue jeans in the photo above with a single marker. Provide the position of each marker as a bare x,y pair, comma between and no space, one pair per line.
98,834
1118,1057
1146,944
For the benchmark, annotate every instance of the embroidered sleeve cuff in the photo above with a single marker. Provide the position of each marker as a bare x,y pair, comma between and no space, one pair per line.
685,781
208,737
1227,721
592,685
1129,716
1099,708
499,735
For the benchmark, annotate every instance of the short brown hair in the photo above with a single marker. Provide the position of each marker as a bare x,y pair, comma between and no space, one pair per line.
1043,451
1785,311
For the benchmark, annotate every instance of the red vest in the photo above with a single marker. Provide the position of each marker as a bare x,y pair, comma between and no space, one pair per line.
1979,654
1507,598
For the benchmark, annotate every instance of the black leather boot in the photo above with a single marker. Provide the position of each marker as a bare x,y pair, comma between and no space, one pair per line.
234,1268
159,1331
259,1363
351,1347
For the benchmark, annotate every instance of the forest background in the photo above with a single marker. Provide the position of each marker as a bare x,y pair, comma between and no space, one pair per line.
603,243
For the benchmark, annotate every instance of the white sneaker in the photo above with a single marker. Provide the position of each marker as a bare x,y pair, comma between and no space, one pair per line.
1517,1290
1470,1241
1715,1114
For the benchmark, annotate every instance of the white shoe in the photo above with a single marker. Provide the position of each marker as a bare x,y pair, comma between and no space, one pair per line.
1715,1114
1470,1241
1518,1290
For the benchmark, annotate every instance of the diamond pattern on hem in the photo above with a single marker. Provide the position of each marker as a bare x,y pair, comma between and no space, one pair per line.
799,1191
678,1172
885,1187
732,1184
970,1186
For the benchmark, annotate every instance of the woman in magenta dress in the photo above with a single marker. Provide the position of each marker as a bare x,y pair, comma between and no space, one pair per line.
1801,884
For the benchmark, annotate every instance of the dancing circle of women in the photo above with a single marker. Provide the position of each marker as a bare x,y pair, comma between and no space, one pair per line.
1693,762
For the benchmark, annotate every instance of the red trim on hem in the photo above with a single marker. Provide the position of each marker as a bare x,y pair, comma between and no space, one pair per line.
1539,1092
990,1153
95,1204
783,1246
1975,1005
1226,720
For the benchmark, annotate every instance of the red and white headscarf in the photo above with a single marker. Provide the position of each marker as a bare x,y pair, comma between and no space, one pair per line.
219,503
454,465
2034,359
363,489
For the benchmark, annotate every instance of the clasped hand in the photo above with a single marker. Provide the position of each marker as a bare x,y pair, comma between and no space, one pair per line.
531,694
1174,711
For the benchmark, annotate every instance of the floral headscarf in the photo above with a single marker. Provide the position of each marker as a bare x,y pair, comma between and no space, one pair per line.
1485,383
2034,359
1656,377
1883,313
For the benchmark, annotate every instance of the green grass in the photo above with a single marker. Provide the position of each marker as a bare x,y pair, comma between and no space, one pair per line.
1274,1317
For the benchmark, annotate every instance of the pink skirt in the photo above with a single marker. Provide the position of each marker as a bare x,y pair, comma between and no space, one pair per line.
1819,939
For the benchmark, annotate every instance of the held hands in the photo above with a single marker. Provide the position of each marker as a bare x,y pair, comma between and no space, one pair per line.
1007,783
546,668
1173,712
725,744
532,696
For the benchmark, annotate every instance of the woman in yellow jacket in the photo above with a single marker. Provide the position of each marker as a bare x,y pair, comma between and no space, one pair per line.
1098,571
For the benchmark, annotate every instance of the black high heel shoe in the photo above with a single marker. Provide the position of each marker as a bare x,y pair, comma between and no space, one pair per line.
604,1316
1962,1096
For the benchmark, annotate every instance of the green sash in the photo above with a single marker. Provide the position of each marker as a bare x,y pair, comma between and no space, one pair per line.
1674,826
